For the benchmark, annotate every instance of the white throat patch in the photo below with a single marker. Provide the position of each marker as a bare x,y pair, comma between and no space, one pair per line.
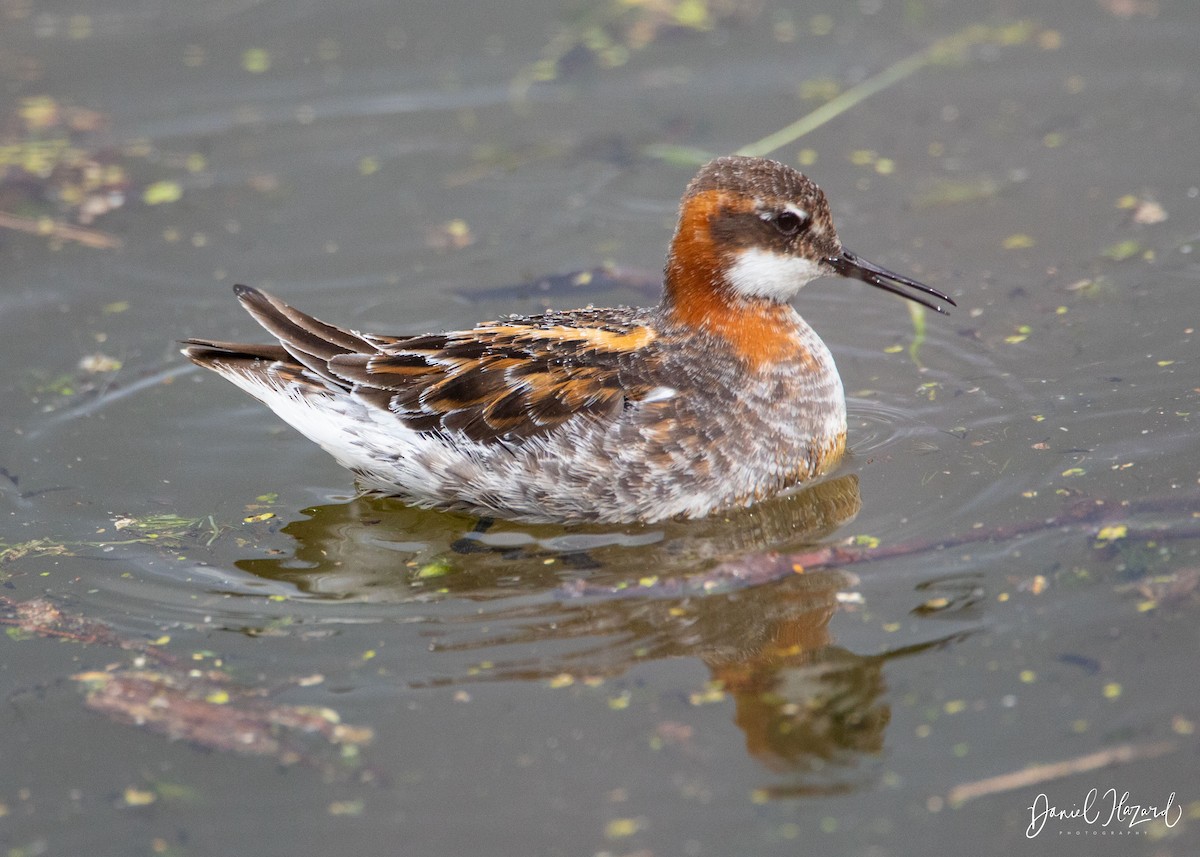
760,273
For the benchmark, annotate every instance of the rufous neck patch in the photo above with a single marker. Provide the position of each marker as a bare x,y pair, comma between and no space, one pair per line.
698,295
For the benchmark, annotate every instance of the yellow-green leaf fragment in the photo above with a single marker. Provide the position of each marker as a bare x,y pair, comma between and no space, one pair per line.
138,797
256,60
162,192
1123,250
437,568
619,828
1019,241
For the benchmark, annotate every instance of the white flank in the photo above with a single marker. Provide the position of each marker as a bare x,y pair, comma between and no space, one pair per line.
322,419
759,273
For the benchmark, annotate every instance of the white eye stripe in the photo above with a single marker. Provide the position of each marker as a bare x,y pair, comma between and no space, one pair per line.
799,212
771,214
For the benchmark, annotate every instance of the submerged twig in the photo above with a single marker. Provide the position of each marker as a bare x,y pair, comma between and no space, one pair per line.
950,46
49,227
1037,774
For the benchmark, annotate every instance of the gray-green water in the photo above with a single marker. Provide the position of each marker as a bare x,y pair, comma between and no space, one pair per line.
332,153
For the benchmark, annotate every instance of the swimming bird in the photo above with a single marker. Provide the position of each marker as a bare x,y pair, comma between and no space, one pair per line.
718,397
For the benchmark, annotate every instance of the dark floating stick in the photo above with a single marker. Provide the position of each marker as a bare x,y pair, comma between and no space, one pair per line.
758,569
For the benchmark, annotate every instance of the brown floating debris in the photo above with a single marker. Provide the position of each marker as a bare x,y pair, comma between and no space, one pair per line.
40,617
205,708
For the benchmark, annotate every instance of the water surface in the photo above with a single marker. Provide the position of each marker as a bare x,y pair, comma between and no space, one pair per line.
678,689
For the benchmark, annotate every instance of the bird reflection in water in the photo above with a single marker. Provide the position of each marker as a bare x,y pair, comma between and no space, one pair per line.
722,590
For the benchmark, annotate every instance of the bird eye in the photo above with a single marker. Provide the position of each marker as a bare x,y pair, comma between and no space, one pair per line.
790,222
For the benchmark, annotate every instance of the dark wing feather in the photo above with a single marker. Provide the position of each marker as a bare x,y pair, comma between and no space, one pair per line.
310,341
250,360
504,381
507,381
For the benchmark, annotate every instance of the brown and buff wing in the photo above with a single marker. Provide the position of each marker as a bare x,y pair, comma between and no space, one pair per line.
504,381
510,380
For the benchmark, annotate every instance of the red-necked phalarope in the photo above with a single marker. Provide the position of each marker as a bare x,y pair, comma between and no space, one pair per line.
718,397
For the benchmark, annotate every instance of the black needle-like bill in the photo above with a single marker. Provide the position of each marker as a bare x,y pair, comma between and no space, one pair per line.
851,265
